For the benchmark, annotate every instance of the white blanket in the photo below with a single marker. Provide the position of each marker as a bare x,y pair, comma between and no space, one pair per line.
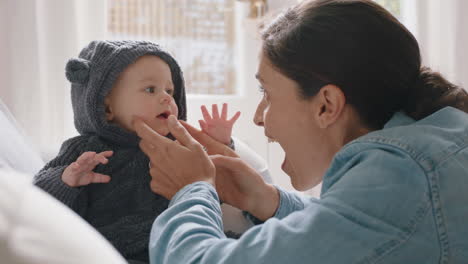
36,228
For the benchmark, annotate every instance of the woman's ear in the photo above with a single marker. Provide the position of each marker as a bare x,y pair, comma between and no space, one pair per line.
330,104
108,109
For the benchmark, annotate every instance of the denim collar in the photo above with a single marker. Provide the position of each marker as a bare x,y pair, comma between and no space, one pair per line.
399,119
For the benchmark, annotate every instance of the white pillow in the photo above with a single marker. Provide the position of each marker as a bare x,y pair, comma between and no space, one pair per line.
15,150
233,218
36,228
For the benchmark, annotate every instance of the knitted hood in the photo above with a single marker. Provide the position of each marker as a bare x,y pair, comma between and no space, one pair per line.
92,76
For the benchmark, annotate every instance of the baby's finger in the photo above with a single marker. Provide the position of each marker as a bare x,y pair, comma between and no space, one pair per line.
101,159
205,113
107,153
203,125
100,178
214,111
235,117
86,161
85,157
75,166
224,112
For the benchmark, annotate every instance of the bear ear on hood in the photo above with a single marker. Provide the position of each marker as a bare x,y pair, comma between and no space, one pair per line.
77,71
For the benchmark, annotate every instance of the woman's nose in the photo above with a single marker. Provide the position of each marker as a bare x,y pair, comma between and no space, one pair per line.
258,116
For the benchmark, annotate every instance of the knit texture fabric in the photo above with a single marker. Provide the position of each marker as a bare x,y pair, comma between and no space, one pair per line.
124,209
93,74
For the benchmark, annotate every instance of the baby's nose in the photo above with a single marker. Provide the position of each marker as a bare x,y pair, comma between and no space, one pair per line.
165,98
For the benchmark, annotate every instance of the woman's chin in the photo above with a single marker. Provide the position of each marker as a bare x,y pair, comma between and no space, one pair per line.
299,183
287,168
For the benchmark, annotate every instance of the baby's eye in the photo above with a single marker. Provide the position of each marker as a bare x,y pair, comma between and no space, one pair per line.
170,91
149,89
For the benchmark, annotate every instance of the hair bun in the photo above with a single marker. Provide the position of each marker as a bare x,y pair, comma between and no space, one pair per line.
77,71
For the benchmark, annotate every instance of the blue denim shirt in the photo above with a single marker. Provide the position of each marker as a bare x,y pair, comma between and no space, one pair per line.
397,195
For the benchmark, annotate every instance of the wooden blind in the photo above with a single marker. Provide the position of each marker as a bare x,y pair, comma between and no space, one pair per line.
199,33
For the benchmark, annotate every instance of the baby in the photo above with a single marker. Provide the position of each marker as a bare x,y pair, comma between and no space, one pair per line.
113,81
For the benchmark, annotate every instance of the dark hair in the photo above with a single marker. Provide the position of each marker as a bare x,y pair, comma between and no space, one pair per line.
360,47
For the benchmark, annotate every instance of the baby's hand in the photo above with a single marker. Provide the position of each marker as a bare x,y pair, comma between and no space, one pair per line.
80,172
218,127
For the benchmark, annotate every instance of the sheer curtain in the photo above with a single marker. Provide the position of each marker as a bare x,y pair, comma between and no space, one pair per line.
441,28
38,37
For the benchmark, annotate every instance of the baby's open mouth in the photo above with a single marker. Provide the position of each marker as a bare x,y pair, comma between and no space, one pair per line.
164,115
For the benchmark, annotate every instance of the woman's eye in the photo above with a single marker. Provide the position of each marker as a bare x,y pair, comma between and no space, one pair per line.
263,91
149,89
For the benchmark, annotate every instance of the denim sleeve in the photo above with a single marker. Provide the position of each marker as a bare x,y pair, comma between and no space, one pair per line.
358,221
289,203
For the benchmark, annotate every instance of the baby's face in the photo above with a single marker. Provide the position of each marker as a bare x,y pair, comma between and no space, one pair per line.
143,89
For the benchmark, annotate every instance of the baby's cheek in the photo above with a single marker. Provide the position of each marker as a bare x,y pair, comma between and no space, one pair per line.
174,109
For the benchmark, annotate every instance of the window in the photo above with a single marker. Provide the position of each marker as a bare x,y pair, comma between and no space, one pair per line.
199,33
394,6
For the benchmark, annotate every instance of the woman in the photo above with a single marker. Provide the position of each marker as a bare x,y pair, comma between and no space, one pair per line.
347,99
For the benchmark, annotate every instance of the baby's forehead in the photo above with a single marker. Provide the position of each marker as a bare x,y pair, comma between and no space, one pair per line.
155,77
149,67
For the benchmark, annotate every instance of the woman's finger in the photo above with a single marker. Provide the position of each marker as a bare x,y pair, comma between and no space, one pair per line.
179,133
156,155
205,113
147,133
225,161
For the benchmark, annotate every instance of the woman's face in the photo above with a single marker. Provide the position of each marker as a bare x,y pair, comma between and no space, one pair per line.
294,123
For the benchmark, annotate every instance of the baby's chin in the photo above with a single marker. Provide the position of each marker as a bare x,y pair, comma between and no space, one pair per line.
161,130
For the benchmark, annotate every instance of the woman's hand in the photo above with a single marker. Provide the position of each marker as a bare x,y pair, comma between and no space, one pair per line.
174,164
241,186
237,183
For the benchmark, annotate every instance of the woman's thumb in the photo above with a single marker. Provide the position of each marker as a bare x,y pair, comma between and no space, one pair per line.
221,161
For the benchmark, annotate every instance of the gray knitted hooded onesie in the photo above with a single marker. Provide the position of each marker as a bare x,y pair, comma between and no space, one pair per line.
124,209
